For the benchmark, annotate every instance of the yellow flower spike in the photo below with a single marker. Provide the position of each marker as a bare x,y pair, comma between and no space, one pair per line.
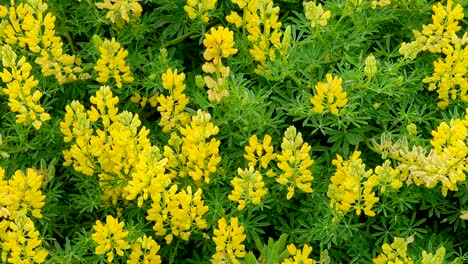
437,36
110,237
228,240
248,188
21,243
33,28
261,153
219,44
111,63
260,21
317,16
352,186
388,177
299,256
144,251
20,88
370,67
437,258
446,78
111,143
195,153
121,11
235,19
294,160
329,95
394,253
199,9
172,106
149,171
177,212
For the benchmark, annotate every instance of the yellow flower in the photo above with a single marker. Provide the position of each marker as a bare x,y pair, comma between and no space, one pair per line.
260,153
235,19
110,238
329,95
199,9
32,27
389,178
448,78
299,256
228,240
121,11
111,143
317,16
172,107
111,63
149,171
144,251
177,212
219,44
370,67
352,186
438,258
380,3
23,98
21,243
260,21
394,253
25,194
194,154
248,188
295,161
437,36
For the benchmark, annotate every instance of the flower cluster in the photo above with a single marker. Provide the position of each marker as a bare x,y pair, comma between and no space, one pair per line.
177,213
19,197
121,11
429,258
148,176
145,250
248,188
440,37
389,178
299,256
449,76
436,36
352,186
228,240
172,107
140,100
394,253
200,9
315,13
329,95
30,25
21,243
111,63
380,3
23,98
370,67
219,43
191,153
260,154
294,162
260,21
445,163
110,237
104,141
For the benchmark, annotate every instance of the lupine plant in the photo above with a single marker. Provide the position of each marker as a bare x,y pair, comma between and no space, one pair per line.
234,131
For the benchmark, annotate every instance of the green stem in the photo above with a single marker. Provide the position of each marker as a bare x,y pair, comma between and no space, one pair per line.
295,79
177,40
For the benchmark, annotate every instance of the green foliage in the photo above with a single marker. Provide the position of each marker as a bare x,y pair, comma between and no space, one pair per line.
390,106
